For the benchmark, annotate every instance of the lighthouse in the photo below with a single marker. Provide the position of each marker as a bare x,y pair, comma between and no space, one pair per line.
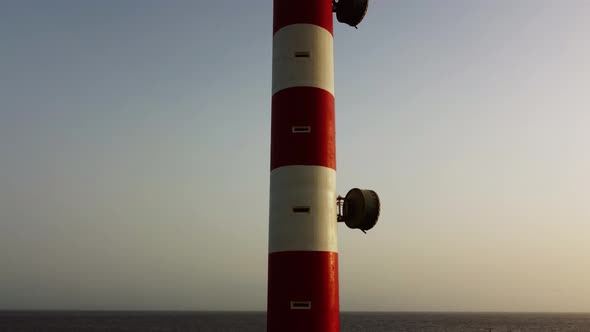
304,207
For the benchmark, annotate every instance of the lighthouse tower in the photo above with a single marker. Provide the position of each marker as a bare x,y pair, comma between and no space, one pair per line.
304,207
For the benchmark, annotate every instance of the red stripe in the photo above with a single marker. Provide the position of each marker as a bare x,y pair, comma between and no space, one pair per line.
317,12
303,276
303,106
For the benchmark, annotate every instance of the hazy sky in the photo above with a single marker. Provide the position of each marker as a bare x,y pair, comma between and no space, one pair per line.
135,142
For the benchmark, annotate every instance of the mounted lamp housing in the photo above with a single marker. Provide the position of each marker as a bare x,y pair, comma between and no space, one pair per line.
359,209
350,12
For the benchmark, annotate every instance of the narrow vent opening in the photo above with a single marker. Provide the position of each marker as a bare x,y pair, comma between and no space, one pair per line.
301,129
301,209
302,54
301,305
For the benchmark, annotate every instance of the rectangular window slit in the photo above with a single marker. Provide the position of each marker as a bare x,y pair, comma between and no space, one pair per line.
301,209
301,129
302,54
305,305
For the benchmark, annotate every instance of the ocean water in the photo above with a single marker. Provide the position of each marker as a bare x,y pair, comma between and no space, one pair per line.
57,321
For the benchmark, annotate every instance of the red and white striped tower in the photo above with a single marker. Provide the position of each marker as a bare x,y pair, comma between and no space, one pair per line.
303,257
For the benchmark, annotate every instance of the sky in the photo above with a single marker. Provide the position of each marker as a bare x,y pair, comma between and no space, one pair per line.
135,145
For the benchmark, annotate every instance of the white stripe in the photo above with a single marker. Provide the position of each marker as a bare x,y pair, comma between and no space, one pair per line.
291,67
303,186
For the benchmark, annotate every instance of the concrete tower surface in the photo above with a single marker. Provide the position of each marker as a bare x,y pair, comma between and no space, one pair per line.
303,257
303,252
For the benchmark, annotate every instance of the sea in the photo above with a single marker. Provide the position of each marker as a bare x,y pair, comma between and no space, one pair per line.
57,321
